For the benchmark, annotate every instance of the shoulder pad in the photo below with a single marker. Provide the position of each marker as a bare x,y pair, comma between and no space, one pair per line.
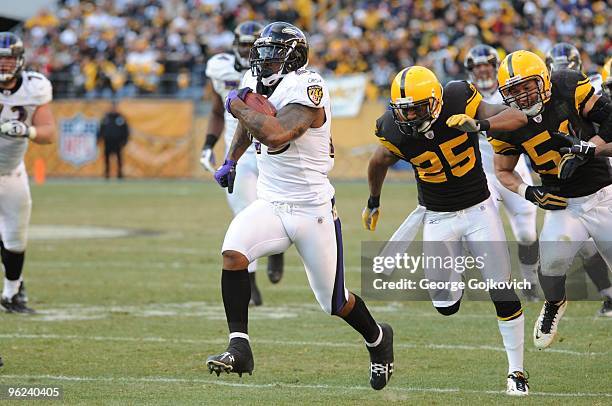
461,92
39,87
307,88
572,86
220,65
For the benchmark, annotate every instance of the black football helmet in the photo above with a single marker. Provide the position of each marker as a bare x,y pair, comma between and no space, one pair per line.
245,35
281,48
484,79
563,56
11,56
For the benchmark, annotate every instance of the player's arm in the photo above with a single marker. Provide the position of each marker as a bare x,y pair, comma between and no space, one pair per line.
489,117
43,124
240,143
216,122
276,131
504,170
598,110
379,163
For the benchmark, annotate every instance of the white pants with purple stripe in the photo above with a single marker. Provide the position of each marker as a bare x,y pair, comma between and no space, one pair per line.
266,228
15,209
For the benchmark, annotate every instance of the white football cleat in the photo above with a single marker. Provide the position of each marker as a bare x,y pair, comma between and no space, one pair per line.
517,384
545,328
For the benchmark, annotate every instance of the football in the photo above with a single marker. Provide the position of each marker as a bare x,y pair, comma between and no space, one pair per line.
260,103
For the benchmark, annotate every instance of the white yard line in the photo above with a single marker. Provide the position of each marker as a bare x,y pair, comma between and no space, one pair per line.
279,343
280,385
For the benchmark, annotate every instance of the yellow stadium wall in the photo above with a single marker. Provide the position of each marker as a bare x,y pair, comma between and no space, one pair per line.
165,141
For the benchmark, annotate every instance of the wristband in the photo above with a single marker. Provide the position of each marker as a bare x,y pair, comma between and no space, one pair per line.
483,125
211,140
522,189
32,133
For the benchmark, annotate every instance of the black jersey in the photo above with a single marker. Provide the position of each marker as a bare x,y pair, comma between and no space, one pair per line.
543,136
446,161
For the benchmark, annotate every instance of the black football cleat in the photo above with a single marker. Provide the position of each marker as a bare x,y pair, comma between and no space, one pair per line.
381,359
606,308
15,305
276,265
22,295
256,299
238,359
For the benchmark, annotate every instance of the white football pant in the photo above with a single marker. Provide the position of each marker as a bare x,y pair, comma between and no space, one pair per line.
15,209
266,228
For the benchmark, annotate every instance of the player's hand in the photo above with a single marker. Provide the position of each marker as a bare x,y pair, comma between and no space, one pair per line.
226,174
369,215
465,123
207,160
15,128
582,149
545,198
568,164
236,94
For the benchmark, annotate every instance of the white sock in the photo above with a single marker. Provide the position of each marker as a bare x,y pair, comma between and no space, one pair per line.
239,335
10,288
606,292
513,335
378,340
530,273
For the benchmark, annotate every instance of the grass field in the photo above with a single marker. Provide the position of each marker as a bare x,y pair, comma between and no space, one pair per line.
131,320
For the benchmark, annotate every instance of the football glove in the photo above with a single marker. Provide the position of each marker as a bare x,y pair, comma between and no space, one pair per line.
226,174
466,123
236,94
568,165
369,215
544,197
15,128
582,149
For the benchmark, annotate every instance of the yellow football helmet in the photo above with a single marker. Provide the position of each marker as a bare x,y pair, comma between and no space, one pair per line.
524,82
606,78
416,100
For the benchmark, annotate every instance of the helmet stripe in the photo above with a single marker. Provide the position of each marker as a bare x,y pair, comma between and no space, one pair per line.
510,68
402,83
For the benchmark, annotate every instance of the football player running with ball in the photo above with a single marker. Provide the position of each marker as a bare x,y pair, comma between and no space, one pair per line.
226,72
437,130
25,116
575,190
481,63
295,202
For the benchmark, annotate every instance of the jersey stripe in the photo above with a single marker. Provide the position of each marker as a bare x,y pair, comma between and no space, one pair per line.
394,150
583,92
473,102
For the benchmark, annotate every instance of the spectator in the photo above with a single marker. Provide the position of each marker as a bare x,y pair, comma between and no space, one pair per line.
114,133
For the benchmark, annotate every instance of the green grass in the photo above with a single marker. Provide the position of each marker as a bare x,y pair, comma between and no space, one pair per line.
130,320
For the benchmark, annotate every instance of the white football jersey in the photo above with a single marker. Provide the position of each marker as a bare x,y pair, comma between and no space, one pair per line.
33,90
596,82
486,150
221,70
297,172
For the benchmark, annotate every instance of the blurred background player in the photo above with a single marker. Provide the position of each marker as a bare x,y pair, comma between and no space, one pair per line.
481,63
225,72
25,116
606,79
114,133
566,56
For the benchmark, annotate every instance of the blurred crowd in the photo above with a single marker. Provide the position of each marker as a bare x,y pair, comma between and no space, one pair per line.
142,47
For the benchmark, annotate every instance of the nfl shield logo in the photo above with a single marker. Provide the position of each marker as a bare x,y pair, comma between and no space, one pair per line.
77,140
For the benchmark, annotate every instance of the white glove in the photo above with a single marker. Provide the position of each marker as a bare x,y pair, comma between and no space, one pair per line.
207,160
15,128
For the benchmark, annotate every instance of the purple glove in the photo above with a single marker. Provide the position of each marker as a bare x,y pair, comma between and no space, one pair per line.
226,174
236,94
